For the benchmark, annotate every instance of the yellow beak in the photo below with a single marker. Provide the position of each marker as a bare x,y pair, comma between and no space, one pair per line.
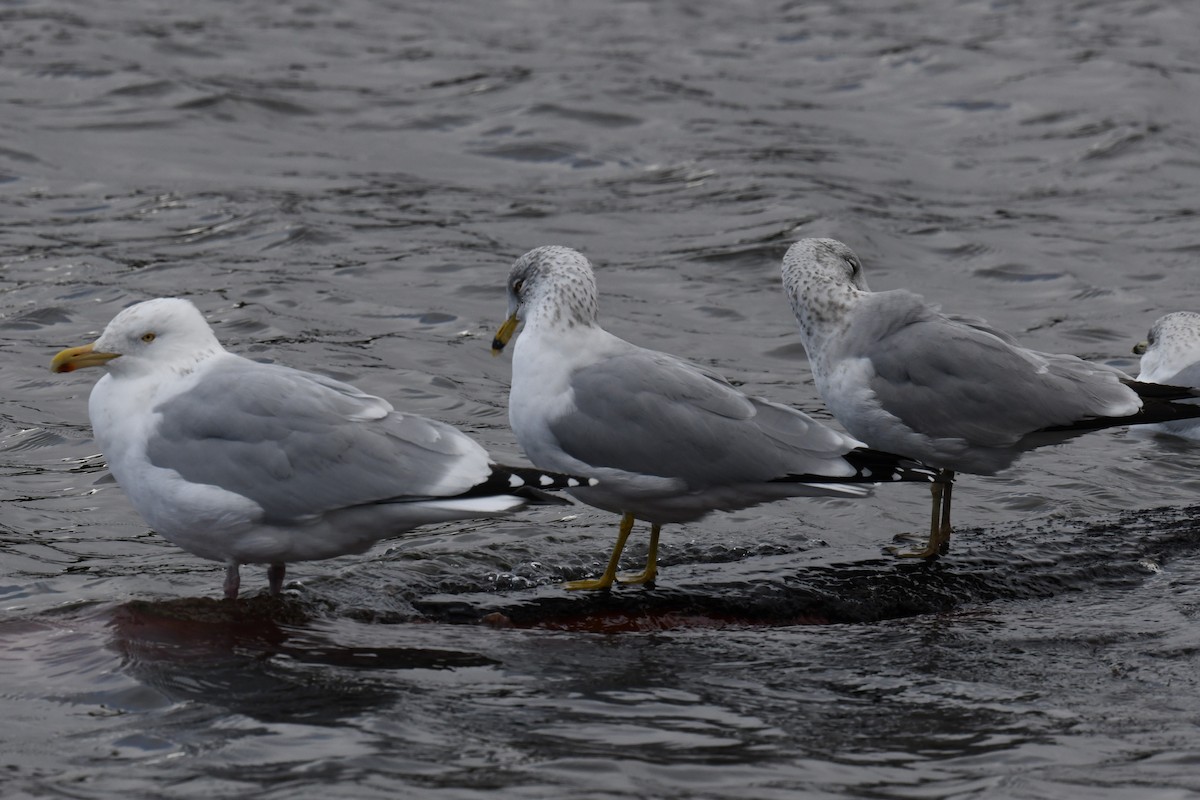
1140,348
74,358
504,334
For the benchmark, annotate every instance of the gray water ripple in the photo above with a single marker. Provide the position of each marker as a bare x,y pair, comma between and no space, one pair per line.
342,188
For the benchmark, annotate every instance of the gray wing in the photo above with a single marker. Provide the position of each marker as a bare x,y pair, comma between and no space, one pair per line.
983,325
946,378
649,413
1188,376
299,444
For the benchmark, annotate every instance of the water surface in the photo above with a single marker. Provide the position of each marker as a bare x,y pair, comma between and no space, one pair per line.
342,187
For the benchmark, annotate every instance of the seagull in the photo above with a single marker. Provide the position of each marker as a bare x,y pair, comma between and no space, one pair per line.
250,463
668,440
1171,354
954,393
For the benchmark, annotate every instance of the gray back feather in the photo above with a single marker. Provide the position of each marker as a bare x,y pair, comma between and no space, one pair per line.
648,413
952,378
299,444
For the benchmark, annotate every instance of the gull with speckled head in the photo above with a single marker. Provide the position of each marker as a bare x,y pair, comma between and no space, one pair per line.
1171,355
668,440
249,463
952,392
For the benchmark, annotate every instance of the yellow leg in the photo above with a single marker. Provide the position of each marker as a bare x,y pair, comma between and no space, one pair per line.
610,572
647,575
939,518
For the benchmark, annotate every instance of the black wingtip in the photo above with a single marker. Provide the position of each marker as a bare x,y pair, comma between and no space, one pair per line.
878,466
534,485
874,466
1161,402
539,497
1162,391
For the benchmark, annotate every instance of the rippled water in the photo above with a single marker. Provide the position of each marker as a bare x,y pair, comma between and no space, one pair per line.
342,187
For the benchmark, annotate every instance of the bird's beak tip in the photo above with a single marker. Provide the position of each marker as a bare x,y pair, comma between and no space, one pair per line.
504,335
74,358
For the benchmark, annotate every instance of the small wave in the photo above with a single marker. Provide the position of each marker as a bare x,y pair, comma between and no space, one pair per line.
543,153
1017,273
36,319
232,100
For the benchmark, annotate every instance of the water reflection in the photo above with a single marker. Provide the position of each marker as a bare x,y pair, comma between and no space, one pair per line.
259,658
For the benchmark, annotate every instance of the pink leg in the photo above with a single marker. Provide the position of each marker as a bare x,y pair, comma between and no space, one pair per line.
275,574
233,580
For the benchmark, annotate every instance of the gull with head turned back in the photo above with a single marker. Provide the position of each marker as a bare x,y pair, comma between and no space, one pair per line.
668,440
952,392
250,463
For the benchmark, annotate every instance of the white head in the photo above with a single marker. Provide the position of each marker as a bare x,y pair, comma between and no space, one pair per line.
551,286
1172,344
822,278
167,333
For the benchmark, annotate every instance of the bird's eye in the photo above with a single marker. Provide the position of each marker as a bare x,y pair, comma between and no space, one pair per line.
1150,339
850,262
517,284
148,337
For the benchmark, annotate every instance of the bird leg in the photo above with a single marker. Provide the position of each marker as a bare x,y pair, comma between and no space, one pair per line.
233,580
647,575
939,518
610,572
948,474
275,574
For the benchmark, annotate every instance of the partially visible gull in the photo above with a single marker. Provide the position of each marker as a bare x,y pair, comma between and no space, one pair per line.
668,440
1171,355
955,393
249,463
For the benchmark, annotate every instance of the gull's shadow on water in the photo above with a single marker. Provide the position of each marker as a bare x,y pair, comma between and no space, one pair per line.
258,657
263,656
1017,563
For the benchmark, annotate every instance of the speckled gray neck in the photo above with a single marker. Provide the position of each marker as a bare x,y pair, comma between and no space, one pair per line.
823,280
553,287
